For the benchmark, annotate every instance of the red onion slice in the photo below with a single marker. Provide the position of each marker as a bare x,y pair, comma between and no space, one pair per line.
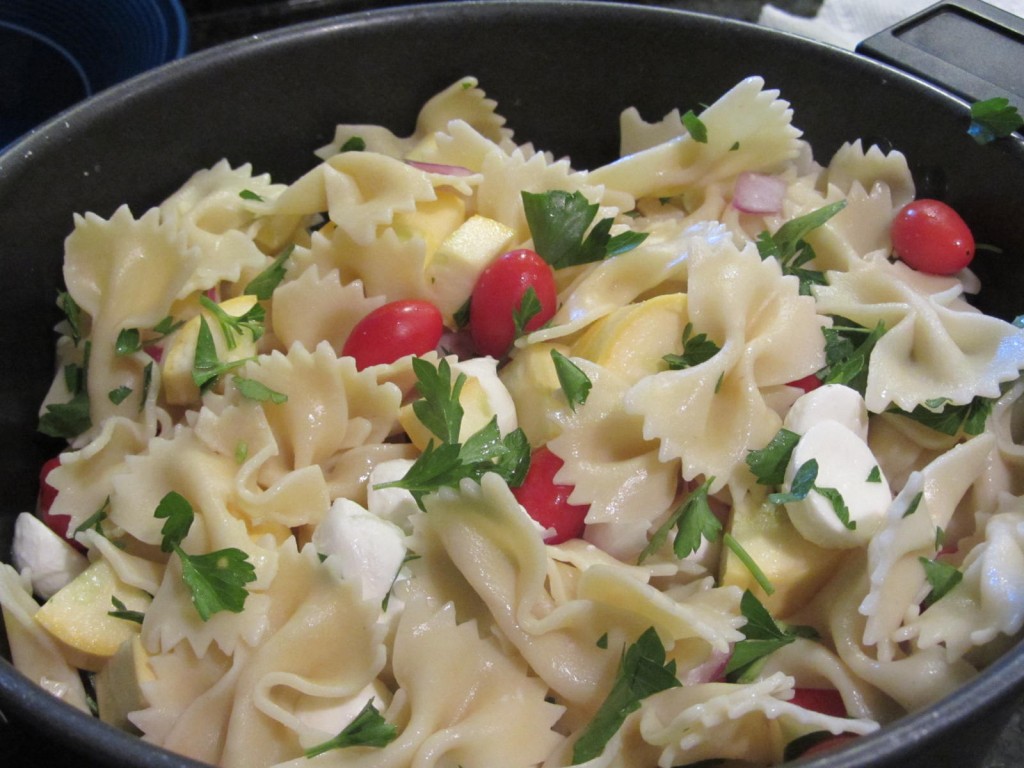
447,170
758,193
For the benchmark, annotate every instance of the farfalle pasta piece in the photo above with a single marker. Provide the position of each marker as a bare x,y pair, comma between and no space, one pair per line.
660,263
33,651
463,100
125,273
214,217
934,348
853,165
927,502
711,414
721,720
636,134
612,467
748,129
988,600
316,307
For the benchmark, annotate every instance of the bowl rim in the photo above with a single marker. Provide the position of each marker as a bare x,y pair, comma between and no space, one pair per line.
1000,682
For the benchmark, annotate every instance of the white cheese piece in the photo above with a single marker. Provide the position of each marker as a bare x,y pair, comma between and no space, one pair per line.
845,463
396,505
51,562
359,545
834,402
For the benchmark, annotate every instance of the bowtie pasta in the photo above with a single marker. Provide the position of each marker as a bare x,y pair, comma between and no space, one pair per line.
792,459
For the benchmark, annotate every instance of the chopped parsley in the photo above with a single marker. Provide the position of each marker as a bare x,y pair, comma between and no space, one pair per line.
233,327
792,251
119,394
353,144
367,729
993,119
695,127
262,286
575,383
942,416
914,504
95,520
875,475
696,350
804,483
447,463
693,520
129,340
207,366
769,464
942,577
528,308
121,611
248,194
258,391
642,672
70,419
558,223
73,315
217,579
848,349
763,636
748,562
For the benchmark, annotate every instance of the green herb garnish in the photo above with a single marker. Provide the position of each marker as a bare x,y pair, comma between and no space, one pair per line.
558,223
769,464
792,251
942,416
367,729
694,522
528,308
258,391
262,286
993,119
575,383
695,127
803,483
217,579
942,577
763,637
121,611
696,350
642,673
848,349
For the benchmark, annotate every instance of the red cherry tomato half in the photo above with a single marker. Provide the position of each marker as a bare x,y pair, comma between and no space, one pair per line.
930,237
547,502
391,332
47,494
807,383
827,701
498,294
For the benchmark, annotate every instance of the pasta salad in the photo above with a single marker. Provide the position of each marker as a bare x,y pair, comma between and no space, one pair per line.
450,454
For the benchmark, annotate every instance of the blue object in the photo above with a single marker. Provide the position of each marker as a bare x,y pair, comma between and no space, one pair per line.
54,53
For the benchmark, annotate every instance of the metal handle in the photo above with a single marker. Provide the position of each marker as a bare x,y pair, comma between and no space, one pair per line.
968,47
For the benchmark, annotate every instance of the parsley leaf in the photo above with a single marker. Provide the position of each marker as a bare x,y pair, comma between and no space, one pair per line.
95,520
353,144
258,391
129,341
696,350
993,119
206,366
694,521
439,409
121,611
367,729
875,475
748,562
642,673
248,194
262,286
217,579
70,419
792,251
73,314
231,326
804,482
558,222
448,463
575,383
695,127
769,464
119,394
914,504
950,419
763,637
942,577
528,308
848,349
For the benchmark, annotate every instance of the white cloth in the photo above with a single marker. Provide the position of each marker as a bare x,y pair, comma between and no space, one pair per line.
846,22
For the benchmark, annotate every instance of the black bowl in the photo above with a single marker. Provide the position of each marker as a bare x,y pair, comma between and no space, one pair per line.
561,72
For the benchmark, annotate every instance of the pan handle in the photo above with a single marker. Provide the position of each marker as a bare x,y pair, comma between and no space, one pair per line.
968,47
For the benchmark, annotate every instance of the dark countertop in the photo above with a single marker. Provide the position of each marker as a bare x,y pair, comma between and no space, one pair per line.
215,21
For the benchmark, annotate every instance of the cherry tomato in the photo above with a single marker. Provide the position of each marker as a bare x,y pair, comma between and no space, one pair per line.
47,493
930,237
807,383
499,293
547,502
827,701
392,331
